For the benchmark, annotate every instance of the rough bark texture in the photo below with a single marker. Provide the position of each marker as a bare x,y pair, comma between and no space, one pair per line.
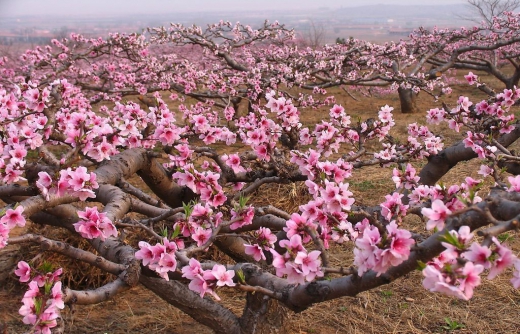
162,185
9,256
438,165
203,310
263,315
408,101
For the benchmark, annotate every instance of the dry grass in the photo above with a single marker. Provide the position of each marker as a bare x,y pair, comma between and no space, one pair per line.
400,307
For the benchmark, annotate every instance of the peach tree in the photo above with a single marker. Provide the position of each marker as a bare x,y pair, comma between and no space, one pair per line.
106,165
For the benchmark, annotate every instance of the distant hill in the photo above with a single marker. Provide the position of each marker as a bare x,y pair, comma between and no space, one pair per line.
414,13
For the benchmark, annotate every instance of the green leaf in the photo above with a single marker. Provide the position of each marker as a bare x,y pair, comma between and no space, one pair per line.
188,208
242,201
241,276
176,232
452,240
421,265
37,305
164,232
46,267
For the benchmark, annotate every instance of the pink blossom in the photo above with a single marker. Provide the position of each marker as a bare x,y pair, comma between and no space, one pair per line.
23,271
393,207
279,262
46,321
78,178
223,276
478,254
399,250
4,235
145,253
504,259
471,78
298,225
367,253
262,152
166,263
199,285
13,217
44,183
309,262
201,235
293,245
233,161
57,296
255,251
192,270
94,224
436,215
470,278
435,116
242,217
515,183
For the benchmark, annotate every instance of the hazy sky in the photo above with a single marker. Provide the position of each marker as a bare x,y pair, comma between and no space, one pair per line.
13,8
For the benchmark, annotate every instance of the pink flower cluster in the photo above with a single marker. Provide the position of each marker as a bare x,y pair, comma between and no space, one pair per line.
380,252
160,257
445,201
94,224
11,219
515,183
453,198
297,263
203,183
496,260
407,178
242,216
393,208
477,116
430,145
23,127
207,281
259,132
436,215
330,135
182,158
199,223
286,113
204,122
456,271
233,161
78,182
44,299
310,165
264,241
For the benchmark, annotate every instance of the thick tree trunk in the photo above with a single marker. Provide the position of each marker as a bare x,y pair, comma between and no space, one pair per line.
439,164
408,101
203,310
263,315
8,259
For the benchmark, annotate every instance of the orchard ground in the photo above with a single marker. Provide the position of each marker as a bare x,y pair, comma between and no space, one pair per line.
403,306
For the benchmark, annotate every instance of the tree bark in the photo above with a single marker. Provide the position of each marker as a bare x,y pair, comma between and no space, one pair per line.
263,315
203,310
8,259
408,100
438,165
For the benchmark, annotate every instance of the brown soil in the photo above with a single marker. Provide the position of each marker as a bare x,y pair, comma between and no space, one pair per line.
400,307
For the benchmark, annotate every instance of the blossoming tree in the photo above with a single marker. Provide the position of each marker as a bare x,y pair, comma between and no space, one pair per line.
91,145
487,48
